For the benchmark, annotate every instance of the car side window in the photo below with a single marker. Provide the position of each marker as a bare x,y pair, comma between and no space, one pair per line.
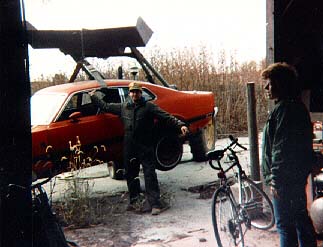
145,93
111,95
85,105
69,108
86,99
79,102
72,103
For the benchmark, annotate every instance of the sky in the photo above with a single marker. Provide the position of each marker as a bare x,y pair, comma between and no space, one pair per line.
236,26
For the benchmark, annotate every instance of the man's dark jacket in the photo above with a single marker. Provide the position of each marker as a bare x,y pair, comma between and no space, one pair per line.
287,145
138,120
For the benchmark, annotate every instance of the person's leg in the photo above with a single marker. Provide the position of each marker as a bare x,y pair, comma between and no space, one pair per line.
284,220
304,224
132,168
151,181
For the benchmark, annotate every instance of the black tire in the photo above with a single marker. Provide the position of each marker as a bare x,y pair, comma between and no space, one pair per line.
115,172
168,152
226,225
203,141
257,204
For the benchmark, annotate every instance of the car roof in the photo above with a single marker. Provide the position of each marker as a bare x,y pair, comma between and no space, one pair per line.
69,88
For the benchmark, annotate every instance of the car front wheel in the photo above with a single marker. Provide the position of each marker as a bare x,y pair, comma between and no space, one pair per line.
168,152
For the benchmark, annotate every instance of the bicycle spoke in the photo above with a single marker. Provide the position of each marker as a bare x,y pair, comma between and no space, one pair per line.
257,205
226,223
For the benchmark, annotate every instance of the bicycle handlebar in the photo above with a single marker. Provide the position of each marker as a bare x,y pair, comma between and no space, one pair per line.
33,186
218,154
39,184
235,141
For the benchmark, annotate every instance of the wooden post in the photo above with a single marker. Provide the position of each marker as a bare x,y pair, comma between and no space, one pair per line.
253,132
15,131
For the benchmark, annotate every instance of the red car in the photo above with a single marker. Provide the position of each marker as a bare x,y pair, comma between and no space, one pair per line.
69,132
65,121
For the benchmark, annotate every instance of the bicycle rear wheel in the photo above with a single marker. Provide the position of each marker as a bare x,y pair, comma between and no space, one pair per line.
257,204
226,224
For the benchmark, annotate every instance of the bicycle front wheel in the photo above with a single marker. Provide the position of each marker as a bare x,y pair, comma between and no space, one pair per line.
257,204
226,223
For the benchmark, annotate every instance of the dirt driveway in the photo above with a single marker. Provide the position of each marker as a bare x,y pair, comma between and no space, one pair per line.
187,223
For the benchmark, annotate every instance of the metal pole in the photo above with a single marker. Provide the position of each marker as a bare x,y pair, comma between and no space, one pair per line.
253,132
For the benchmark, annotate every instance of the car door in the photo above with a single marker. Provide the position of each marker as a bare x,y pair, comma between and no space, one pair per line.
80,124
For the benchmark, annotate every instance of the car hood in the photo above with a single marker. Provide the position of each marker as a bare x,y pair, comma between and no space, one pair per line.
36,128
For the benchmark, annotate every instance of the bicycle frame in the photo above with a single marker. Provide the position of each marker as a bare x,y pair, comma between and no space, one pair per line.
238,175
225,183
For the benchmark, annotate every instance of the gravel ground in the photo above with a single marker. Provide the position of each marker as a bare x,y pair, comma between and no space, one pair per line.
187,222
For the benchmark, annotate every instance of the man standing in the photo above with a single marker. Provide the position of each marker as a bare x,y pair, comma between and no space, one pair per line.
287,156
138,116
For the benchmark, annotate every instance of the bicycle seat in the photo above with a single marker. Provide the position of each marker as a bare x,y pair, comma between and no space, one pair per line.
215,154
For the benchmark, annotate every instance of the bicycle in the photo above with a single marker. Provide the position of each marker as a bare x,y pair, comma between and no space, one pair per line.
231,217
46,230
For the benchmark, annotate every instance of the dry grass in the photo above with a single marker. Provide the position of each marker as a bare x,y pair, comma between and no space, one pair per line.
227,79
79,209
195,69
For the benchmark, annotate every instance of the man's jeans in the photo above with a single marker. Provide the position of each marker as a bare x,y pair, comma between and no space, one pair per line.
292,219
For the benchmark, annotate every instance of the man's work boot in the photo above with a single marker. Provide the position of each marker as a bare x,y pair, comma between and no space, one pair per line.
146,208
155,211
130,207
160,209
134,205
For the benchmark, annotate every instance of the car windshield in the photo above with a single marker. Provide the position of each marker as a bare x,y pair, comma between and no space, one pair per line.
44,107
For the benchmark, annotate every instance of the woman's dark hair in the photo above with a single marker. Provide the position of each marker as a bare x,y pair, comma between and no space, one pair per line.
285,78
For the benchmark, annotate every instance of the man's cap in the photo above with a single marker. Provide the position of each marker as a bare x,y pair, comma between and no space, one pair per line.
135,86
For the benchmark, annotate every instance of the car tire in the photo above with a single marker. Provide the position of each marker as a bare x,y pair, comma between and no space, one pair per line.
115,172
203,141
168,152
